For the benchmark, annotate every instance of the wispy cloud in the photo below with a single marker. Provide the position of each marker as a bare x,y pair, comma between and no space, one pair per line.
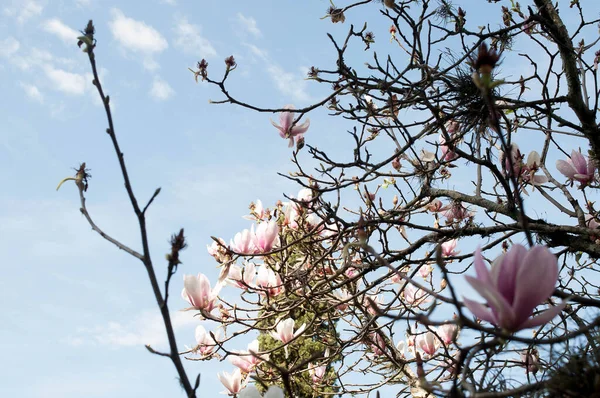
9,46
67,82
190,40
22,10
56,27
288,83
32,92
161,90
144,328
138,37
249,24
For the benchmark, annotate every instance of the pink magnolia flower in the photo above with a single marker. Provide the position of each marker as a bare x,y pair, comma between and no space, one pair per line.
414,295
519,281
377,344
373,303
447,333
531,167
591,222
342,297
425,271
257,210
435,206
206,344
456,212
427,342
284,331
577,168
448,248
232,382
452,129
516,158
268,281
241,277
265,236
218,250
286,130
530,360
249,359
317,372
242,242
197,292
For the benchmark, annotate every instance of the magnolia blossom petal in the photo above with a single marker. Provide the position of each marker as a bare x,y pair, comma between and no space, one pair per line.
482,271
566,168
544,317
505,269
578,160
480,311
536,280
500,307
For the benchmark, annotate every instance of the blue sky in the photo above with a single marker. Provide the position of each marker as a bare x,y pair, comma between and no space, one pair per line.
77,310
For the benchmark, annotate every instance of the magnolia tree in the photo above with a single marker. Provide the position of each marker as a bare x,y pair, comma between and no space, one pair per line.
419,264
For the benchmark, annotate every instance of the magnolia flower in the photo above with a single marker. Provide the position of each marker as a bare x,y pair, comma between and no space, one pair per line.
531,167
518,282
252,392
401,347
342,297
447,333
257,211
577,168
241,277
448,248
285,127
242,242
284,331
265,236
205,342
530,360
591,222
232,382
377,343
414,295
427,342
247,360
425,271
373,303
435,206
197,292
456,212
317,372
218,250
447,154
268,281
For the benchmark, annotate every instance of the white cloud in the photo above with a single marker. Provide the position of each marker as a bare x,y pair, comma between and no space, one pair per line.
190,40
145,328
83,3
161,90
64,32
136,35
249,24
32,92
9,46
39,58
22,10
67,82
169,2
288,83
